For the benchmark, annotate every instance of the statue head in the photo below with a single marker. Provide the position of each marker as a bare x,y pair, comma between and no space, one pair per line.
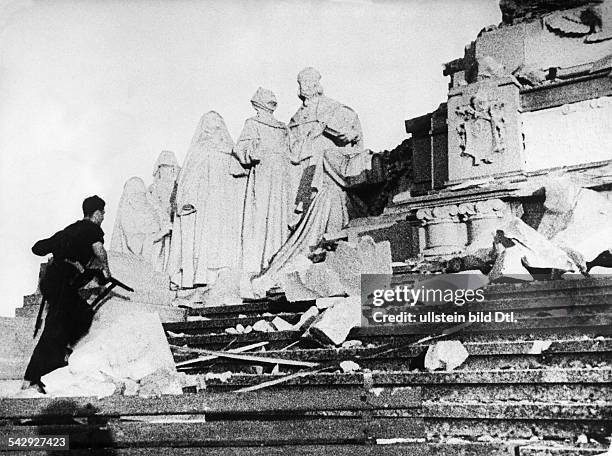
212,128
134,186
166,166
309,81
265,100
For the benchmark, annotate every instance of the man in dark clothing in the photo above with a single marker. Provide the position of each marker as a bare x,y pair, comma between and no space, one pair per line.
69,316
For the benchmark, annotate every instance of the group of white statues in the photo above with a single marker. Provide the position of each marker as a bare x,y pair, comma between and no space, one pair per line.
255,208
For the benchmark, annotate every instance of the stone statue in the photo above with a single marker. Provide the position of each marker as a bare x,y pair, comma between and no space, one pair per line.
326,139
206,228
162,192
138,228
263,148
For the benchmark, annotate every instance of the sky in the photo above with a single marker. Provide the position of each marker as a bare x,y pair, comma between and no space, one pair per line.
92,91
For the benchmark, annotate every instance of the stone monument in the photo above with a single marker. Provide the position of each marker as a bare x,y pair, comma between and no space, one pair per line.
529,98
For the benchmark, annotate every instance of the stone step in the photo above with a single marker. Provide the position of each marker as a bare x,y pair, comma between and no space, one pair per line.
416,448
219,324
499,301
579,376
530,327
572,285
578,309
516,355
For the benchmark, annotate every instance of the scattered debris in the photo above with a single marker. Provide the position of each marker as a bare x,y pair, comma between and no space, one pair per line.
257,359
349,366
281,325
333,326
525,251
209,357
197,318
340,273
446,355
306,319
539,346
576,219
263,326
222,377
352,344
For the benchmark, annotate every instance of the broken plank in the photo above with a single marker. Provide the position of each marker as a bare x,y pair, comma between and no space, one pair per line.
211,357
257,359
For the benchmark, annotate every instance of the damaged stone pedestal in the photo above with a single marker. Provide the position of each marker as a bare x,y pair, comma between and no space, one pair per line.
442,230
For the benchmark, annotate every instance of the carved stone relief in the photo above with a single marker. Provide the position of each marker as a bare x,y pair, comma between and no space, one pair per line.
481,128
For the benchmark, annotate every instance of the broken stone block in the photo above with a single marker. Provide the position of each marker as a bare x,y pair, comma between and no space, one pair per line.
263,326
539,346
352,344
162,381
576,219
340,273
350,261
223,377
63,382
281,325
349,366
318,280
446,354
508,266
149,286
117,347
334,325
524,251
306,319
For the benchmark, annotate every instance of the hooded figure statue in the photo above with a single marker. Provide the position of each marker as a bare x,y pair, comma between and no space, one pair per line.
138,228
206,228
163,193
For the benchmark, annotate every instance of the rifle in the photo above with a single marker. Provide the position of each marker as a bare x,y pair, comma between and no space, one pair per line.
84,279
96,303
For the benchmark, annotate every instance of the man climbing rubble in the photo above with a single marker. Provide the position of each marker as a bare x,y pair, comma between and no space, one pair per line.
75,248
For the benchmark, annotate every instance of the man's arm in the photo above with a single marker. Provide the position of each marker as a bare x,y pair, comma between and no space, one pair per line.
100,253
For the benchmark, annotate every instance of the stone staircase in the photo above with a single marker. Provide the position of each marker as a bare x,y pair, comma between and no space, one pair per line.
506,393
508,398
